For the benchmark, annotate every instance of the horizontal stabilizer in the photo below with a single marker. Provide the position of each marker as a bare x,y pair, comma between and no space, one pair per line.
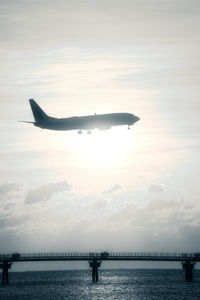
27,122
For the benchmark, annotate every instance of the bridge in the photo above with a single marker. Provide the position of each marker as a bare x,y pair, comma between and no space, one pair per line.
95,259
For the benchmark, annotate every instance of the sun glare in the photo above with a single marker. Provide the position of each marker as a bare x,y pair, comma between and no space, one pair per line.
102,148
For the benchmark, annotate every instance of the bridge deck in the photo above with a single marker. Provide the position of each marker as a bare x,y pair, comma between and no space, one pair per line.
86,256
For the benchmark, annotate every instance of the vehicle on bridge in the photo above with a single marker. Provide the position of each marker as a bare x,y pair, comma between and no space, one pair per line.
96,121
104,254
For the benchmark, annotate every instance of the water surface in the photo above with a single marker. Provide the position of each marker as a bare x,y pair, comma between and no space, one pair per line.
113,285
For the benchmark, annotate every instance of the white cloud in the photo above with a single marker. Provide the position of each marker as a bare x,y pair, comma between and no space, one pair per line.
156,188
9,190
9,206
114,188
45,191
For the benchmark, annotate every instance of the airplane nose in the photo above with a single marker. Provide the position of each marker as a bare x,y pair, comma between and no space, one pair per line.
137,119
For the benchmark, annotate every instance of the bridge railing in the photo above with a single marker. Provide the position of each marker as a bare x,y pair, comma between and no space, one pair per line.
100,255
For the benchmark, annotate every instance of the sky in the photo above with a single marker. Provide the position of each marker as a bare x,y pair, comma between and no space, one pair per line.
116,190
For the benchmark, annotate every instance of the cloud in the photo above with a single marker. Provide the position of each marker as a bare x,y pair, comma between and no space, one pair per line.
156,188
158,205
99,22
6,189
89,221
9,206
45,191
99,204
113,189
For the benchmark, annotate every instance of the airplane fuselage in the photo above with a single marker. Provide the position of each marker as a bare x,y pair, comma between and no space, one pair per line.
102,122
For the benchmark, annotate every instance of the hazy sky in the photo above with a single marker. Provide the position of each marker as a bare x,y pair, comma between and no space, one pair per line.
130,190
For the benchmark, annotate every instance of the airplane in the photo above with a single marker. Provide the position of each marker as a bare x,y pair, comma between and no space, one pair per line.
96,121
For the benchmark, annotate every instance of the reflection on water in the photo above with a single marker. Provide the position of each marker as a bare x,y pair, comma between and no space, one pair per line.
113,285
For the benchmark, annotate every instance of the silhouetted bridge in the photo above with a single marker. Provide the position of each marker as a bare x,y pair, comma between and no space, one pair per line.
95,259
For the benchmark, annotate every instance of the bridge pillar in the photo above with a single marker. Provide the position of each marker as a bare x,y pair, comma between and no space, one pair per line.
5,266
95,264
188,266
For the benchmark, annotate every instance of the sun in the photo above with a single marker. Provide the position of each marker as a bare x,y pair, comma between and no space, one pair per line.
102,149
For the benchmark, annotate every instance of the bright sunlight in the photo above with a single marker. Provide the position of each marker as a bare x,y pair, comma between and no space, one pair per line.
102,148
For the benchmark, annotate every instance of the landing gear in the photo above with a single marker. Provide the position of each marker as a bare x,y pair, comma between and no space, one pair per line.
129,127
81,132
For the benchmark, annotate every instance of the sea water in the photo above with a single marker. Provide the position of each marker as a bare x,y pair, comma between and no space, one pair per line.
157,284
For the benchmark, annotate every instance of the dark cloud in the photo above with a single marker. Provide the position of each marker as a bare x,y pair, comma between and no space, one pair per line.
156,188
45,191
114,188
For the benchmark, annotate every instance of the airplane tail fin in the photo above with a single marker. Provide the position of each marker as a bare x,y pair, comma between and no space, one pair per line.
38,113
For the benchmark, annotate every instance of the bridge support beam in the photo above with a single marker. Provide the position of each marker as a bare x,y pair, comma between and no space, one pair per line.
95,264
188,266
5,266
